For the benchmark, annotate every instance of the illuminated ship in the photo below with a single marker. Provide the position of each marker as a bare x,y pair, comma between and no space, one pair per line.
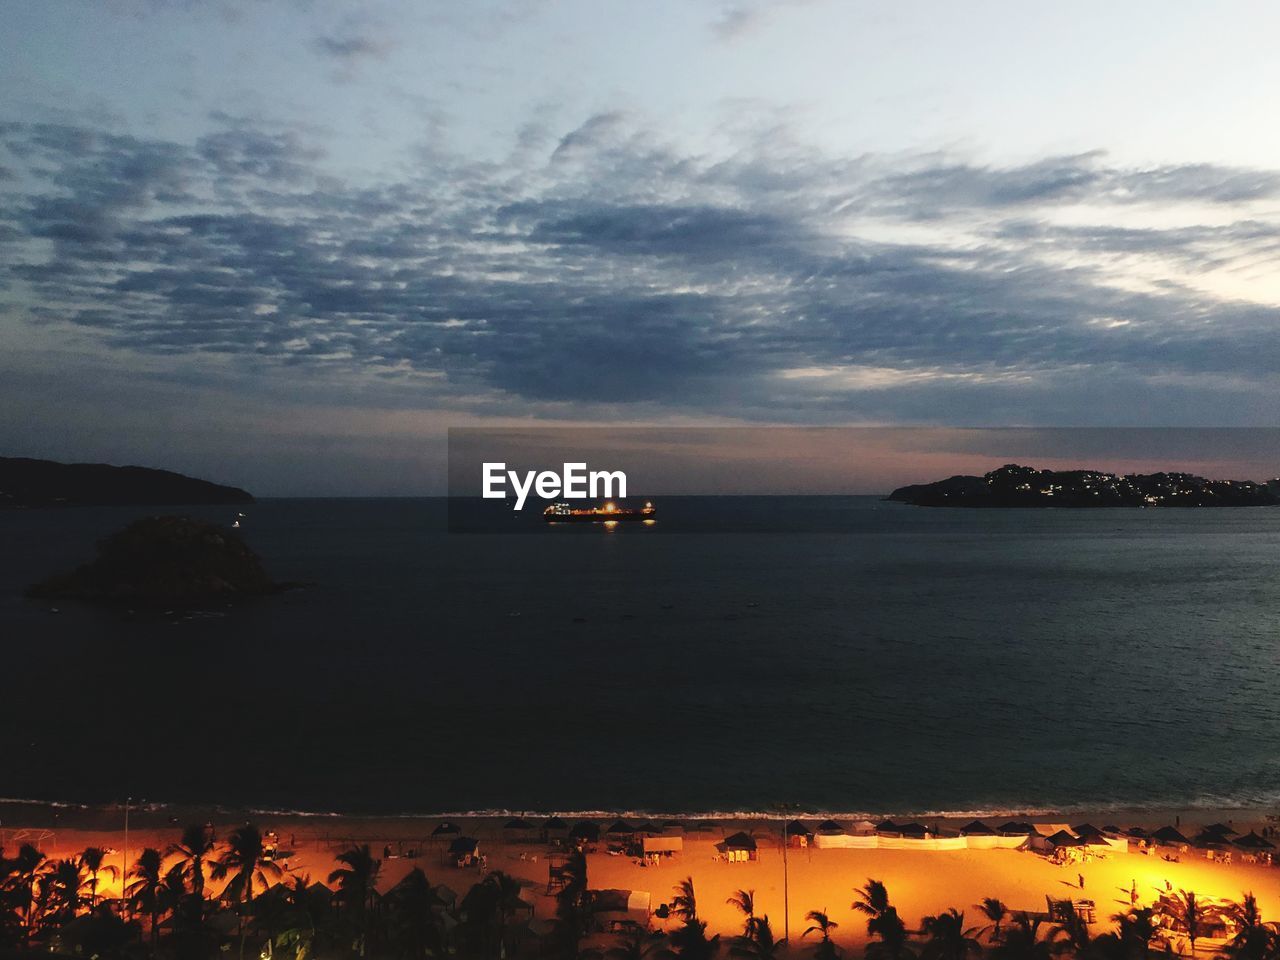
609,513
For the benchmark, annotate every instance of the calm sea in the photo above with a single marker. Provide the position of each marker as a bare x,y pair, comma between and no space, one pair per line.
842,653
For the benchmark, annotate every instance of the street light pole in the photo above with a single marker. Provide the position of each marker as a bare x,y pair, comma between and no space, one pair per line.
124,867
783,809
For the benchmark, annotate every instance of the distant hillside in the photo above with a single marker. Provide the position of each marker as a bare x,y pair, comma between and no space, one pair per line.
1017,486
43,483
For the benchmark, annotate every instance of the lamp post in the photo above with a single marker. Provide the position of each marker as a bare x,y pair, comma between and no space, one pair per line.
783,810
124,855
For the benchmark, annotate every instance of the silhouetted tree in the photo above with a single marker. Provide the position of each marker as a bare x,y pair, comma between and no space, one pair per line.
357,880
994,910
759,943
193,851
690,938
745,903
145,893
1187,913
244,861
91,861
947,937
1023,940
413,928
825,948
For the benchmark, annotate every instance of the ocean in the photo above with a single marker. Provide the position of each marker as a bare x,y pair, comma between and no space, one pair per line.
844,654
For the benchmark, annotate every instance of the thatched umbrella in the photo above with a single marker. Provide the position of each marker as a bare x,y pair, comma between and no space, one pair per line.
913,829
620,828
976,828
445,829
1089,833
886,826
585,830
1064,839
1169,835
464,846
1251,841
1221,828
797,829
1209,839
1137,833
830,828
738,841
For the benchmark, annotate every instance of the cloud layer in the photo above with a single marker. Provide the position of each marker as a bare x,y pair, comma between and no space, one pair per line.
614,271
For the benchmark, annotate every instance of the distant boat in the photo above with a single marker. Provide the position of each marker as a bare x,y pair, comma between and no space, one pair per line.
235,525
609,513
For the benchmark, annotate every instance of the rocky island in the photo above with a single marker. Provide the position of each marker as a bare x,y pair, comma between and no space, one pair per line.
1017,486
164,562
45,483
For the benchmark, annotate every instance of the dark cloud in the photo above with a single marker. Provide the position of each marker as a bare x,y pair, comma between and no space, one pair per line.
623,274
738,18
937,189
351,46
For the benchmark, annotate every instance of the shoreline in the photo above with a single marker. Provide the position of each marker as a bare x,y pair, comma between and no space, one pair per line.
1139,814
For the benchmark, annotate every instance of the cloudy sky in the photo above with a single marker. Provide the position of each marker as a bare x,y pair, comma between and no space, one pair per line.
286,244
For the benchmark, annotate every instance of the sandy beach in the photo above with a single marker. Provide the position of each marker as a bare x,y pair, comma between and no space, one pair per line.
920,882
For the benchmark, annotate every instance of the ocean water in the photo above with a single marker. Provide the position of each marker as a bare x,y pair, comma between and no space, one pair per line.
840,653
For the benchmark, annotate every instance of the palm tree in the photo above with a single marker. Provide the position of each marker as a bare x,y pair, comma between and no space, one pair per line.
759,943
23,873
61,890
994,910
305,928
690,940
825,949
890,934
145,893
872,899
487,907
1022,941
948,938
91,861
357,878
411,920
684,905
193,851
1137,930
1254,939
570,922
745,902
1187,913
1074,931
244,860
507,890
357,885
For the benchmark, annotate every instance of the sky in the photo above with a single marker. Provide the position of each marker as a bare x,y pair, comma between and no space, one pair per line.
288,244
